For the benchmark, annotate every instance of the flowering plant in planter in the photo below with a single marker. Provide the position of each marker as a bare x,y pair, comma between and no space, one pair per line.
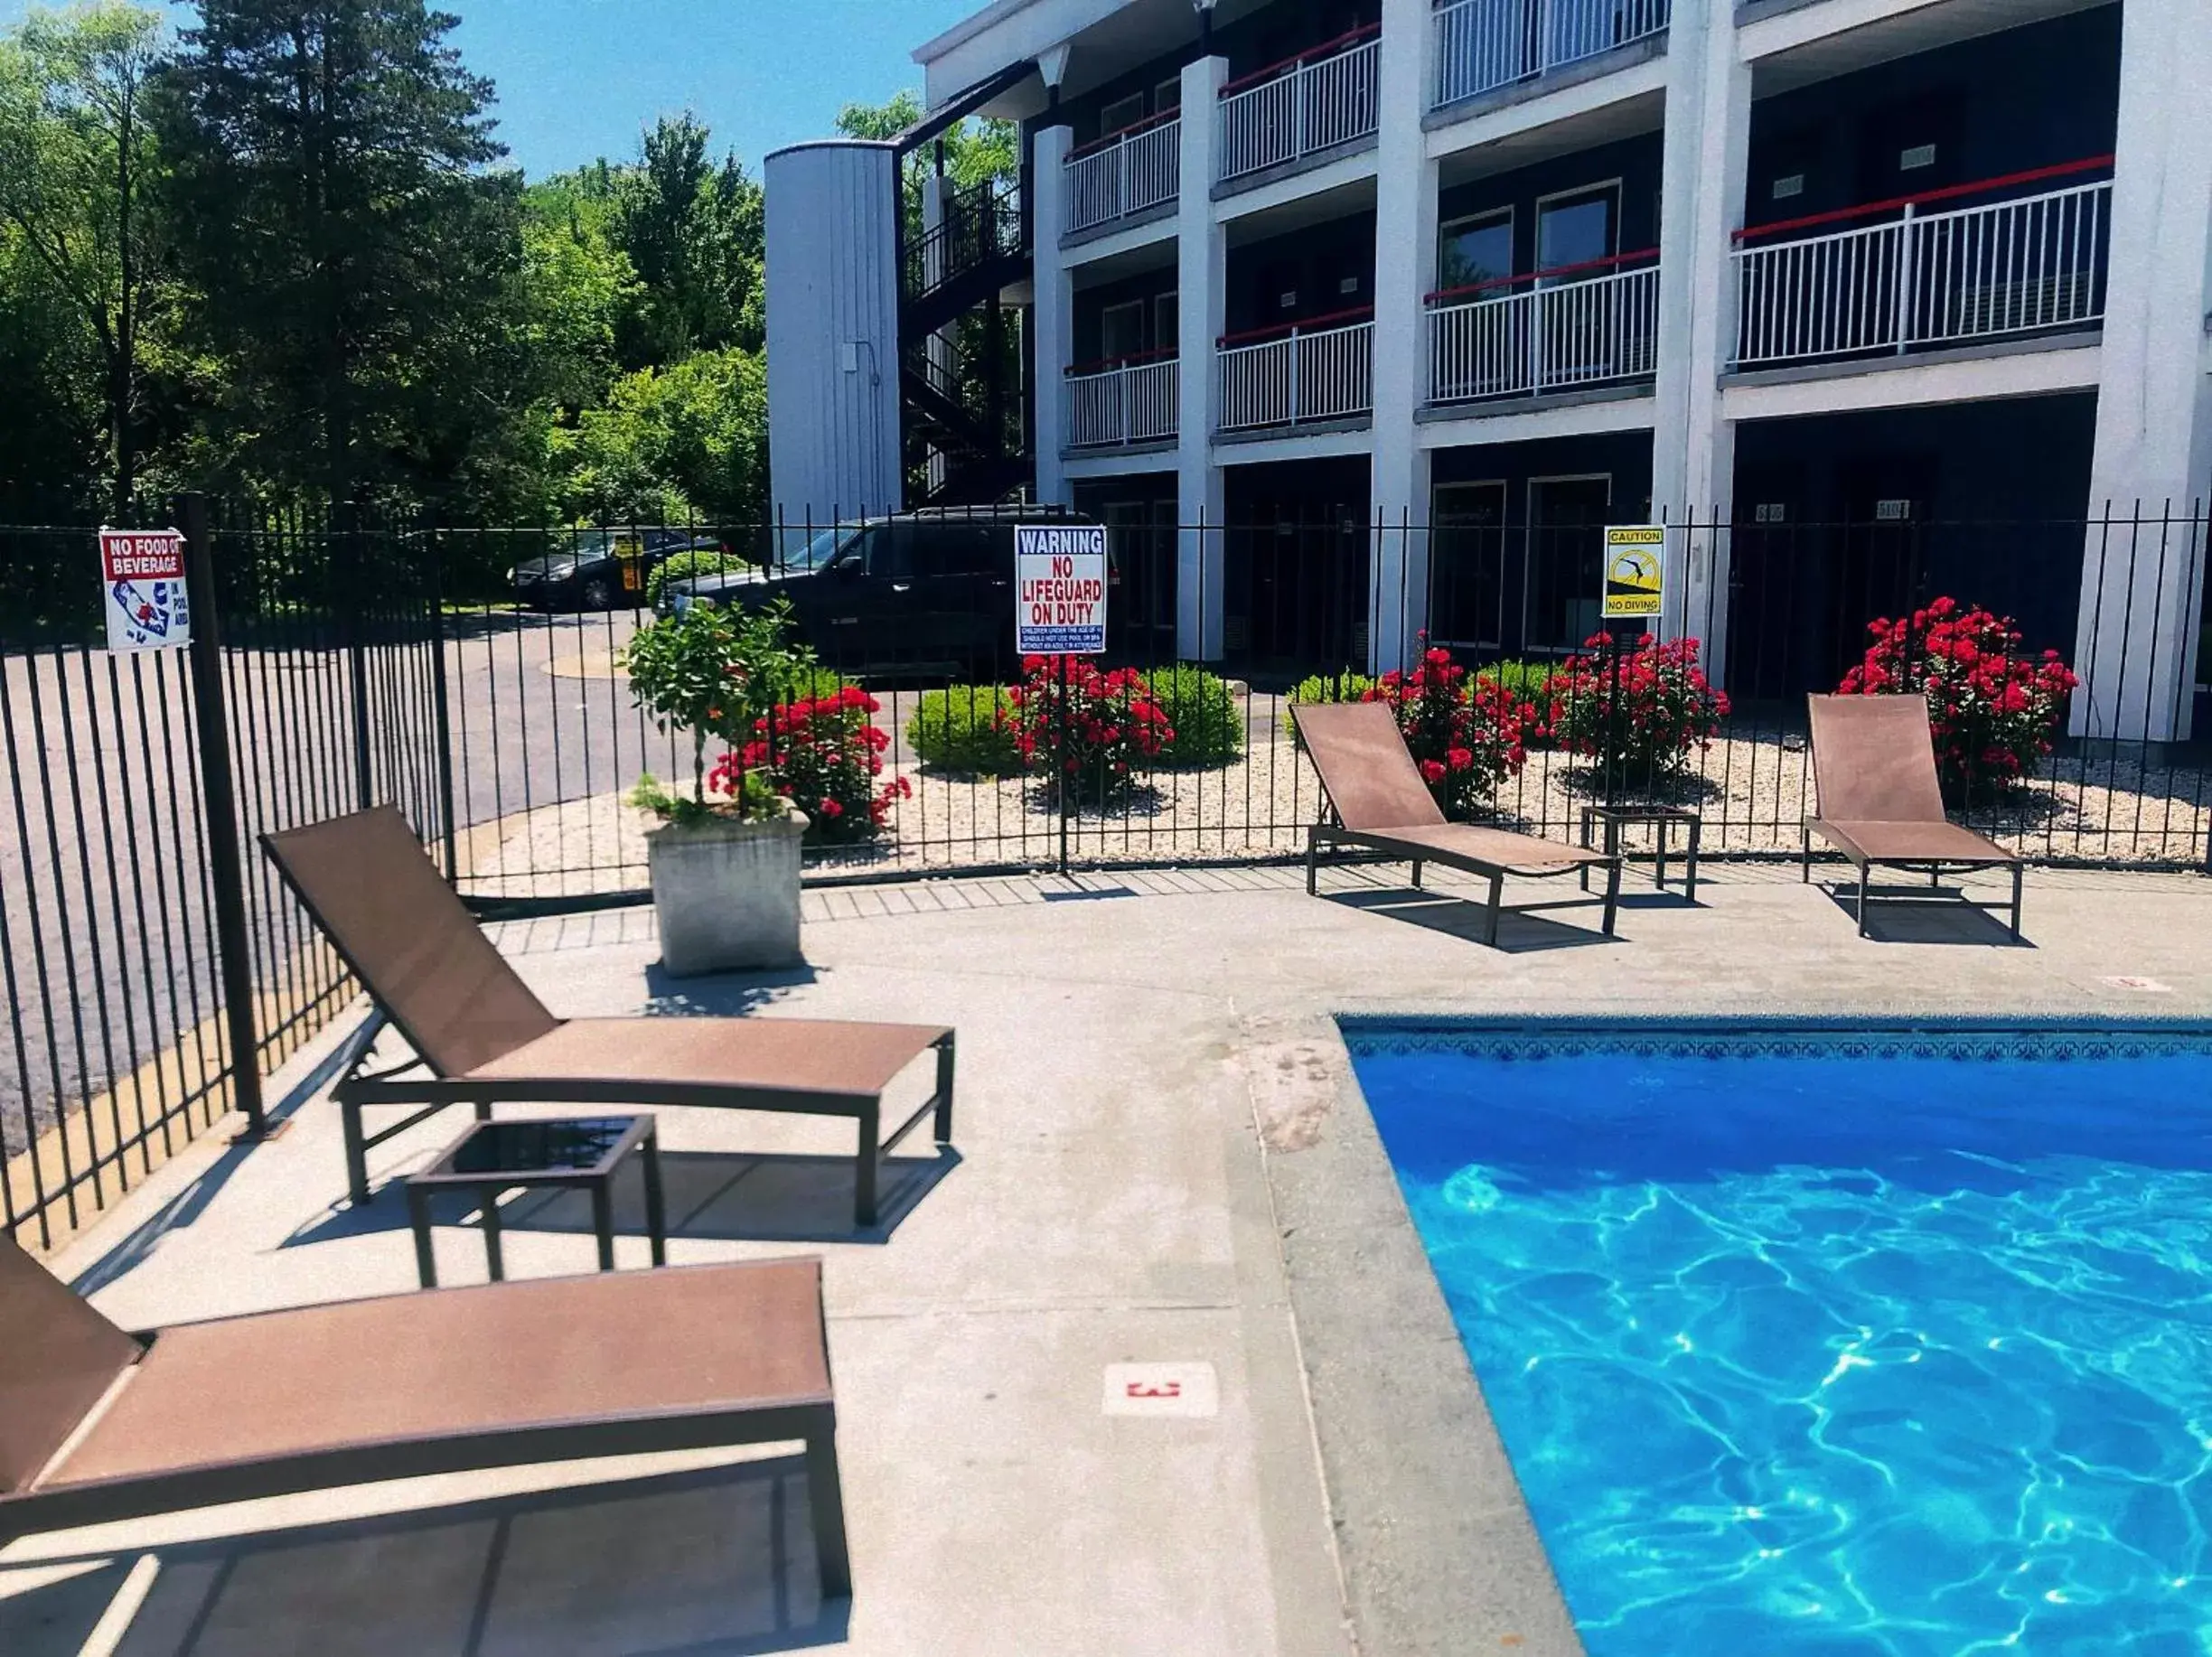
713,672
1992,710
1666,706
1467,735
823,754
1101,727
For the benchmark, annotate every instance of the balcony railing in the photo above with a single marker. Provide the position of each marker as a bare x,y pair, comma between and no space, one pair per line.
1483,44
1134,399
1124,172
1318,370
1922,279
1320,99
1578,325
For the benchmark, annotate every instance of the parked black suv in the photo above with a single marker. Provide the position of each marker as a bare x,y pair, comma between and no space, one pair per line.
921,592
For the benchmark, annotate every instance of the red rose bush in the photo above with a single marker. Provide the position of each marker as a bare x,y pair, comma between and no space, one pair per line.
1666,708
1100,725
1467,735
1992,710
824,755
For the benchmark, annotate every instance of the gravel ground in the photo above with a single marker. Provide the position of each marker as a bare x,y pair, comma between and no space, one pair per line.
1750,791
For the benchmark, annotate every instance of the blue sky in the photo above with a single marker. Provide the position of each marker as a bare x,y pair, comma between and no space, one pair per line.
578,77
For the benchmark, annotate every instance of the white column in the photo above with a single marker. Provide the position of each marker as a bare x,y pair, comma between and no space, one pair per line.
1054,311
1404,271
1707,147
1201,259
2143,584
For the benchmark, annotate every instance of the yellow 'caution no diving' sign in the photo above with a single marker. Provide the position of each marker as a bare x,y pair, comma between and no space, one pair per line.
1634,572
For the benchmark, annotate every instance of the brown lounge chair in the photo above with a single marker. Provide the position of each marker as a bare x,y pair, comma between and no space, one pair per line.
1378,801
1880,804
482,1038
98,1425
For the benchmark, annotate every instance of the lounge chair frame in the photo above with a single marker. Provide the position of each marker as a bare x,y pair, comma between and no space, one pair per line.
423,1088
46,1505
1856,810
1933,869
414,1083
1550,861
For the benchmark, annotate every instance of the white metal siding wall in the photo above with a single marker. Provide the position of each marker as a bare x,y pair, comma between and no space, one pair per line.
833,435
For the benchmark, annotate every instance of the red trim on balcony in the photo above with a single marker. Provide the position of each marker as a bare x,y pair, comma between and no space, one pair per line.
1122,133
1128,359
1312,324
1538,276
1897,203
1324,49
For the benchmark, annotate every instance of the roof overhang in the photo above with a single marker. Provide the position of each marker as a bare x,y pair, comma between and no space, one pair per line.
1107,37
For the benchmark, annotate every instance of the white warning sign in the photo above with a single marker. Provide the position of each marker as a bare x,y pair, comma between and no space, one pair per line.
1059,589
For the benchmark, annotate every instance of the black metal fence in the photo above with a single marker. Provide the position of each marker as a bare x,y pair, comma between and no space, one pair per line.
473,677
117,1049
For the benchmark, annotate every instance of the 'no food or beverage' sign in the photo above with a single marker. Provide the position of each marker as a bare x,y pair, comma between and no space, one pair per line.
143,571
1059,590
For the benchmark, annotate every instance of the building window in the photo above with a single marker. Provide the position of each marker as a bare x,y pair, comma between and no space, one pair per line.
1122,330
1578,227
1122,112
1167,321
1474,250
1168,95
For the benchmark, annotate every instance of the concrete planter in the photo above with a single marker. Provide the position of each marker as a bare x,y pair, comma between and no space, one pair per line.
726,893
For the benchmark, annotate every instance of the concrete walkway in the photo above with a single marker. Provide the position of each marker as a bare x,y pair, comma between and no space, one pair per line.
1161,1159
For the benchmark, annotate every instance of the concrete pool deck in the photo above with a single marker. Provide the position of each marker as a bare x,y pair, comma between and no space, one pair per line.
1161,1157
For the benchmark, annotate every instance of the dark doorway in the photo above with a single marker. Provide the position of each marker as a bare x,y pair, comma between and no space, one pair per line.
1297,567
1140,536
1566,554
1467,566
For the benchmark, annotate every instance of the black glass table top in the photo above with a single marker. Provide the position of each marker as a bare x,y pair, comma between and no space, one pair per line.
570,1146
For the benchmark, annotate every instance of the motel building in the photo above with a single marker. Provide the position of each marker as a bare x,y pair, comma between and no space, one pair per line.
1878,299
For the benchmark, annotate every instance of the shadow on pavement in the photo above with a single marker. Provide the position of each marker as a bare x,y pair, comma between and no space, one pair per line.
730,1196
1520,930
1927,915
717,1562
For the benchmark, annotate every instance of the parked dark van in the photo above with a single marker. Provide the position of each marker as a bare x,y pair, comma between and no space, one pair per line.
922,591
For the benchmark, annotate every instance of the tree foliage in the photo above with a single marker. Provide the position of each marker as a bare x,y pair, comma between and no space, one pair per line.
76,161
281,254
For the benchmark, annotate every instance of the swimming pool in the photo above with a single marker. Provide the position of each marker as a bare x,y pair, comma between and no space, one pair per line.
1814,1341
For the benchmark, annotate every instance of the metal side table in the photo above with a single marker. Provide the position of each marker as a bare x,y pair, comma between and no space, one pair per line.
571,1153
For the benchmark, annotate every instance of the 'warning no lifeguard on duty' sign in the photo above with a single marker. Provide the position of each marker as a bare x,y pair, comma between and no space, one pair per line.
1059,590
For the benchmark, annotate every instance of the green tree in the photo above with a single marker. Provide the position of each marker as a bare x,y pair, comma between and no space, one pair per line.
76,157
688,442
49,413
335,223
693,231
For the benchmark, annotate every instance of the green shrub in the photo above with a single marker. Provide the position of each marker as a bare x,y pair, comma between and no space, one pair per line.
970,729
1527,682
681,566
1326,688
1333,687
1209,726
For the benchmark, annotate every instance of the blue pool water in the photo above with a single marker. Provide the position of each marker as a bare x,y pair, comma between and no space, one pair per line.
1797,1350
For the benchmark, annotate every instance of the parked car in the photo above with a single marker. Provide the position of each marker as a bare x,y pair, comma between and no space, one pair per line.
921,592
601,569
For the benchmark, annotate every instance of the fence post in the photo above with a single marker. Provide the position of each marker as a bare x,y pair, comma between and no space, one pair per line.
1060,764
434,564
219,800
350,576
